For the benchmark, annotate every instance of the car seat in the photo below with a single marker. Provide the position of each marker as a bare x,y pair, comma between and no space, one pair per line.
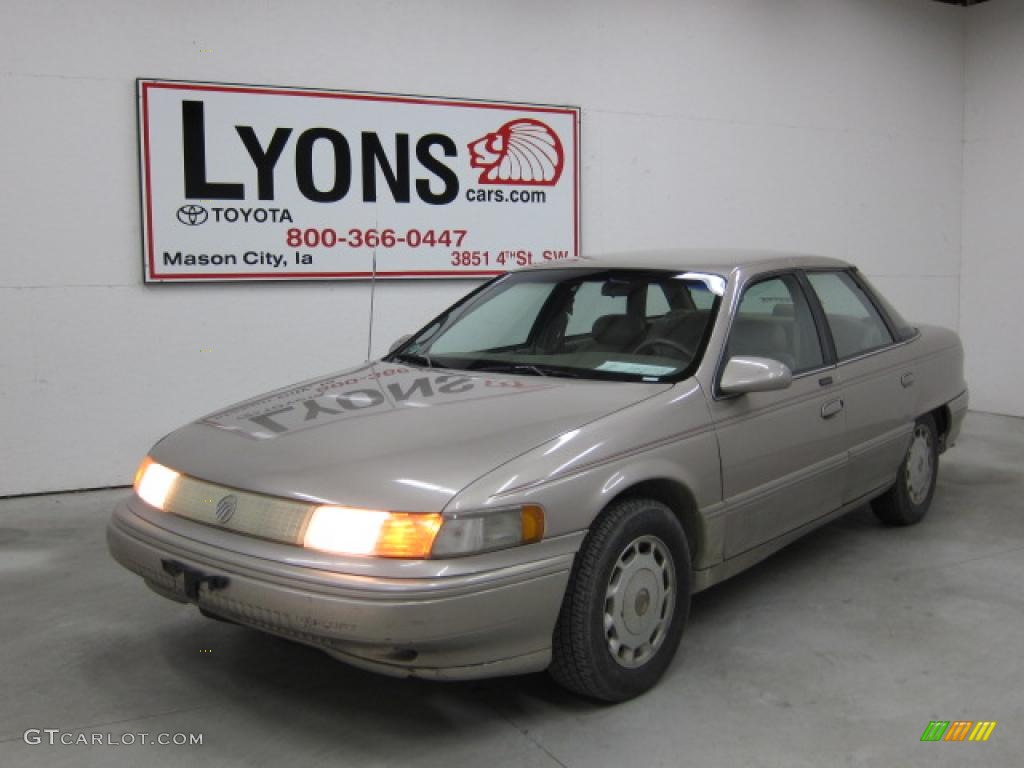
616,333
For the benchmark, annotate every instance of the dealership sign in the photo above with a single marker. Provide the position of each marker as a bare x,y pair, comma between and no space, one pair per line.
267,183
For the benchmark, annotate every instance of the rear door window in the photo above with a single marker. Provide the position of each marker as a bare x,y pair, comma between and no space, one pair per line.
657,302
589,304
856,325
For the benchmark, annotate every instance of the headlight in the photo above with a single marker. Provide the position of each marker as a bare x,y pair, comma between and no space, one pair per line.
378,533
349,531
154,482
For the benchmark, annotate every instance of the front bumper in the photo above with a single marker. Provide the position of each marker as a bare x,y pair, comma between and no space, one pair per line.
491,622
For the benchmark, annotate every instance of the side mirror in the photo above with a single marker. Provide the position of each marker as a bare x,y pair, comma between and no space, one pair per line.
399,342
754,374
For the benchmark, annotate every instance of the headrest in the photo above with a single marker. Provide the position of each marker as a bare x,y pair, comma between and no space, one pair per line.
783,310
617,331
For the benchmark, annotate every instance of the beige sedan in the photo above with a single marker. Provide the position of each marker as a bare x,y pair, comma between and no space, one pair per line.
542,476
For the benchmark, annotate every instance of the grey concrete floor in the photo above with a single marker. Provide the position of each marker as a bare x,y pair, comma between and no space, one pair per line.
835,652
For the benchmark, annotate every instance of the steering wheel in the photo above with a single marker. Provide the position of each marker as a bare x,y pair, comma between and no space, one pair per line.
664,343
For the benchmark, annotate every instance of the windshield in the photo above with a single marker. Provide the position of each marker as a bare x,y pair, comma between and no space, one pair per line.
634,325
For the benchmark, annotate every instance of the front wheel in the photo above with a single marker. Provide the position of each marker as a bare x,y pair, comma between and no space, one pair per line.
911,495
626,604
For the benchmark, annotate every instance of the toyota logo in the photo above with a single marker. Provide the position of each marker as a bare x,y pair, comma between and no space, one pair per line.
226,508
193,215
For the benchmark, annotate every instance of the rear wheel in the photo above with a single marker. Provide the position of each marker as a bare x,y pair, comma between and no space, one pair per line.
911,495
626,604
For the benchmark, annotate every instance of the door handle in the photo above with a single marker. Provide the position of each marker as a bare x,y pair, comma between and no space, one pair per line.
831,408
907,379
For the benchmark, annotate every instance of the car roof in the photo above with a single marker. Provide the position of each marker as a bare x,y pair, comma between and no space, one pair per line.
714,261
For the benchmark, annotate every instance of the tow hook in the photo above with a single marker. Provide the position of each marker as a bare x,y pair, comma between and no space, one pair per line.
194,578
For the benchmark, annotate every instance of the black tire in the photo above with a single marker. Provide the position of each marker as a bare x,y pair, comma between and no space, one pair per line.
582,656
903,503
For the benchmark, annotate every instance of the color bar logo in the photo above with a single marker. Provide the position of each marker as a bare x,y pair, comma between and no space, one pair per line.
958,730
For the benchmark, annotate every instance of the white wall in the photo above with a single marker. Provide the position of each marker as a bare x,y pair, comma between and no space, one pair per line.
993,222
832,126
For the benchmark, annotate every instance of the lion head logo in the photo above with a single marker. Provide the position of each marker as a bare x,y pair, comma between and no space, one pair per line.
522,151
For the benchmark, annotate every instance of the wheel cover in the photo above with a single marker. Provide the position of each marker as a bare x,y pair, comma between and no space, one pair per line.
639,601
920,465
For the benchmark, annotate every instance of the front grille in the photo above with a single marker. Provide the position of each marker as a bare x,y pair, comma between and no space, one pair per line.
254,514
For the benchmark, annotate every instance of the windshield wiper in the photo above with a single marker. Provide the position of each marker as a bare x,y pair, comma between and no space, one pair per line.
415,359
536,370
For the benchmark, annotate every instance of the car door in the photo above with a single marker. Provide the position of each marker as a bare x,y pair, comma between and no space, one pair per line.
877,381
782,452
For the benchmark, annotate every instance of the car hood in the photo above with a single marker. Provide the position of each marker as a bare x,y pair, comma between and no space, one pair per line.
387,435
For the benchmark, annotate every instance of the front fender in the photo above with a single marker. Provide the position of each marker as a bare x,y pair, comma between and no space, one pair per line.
575,475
